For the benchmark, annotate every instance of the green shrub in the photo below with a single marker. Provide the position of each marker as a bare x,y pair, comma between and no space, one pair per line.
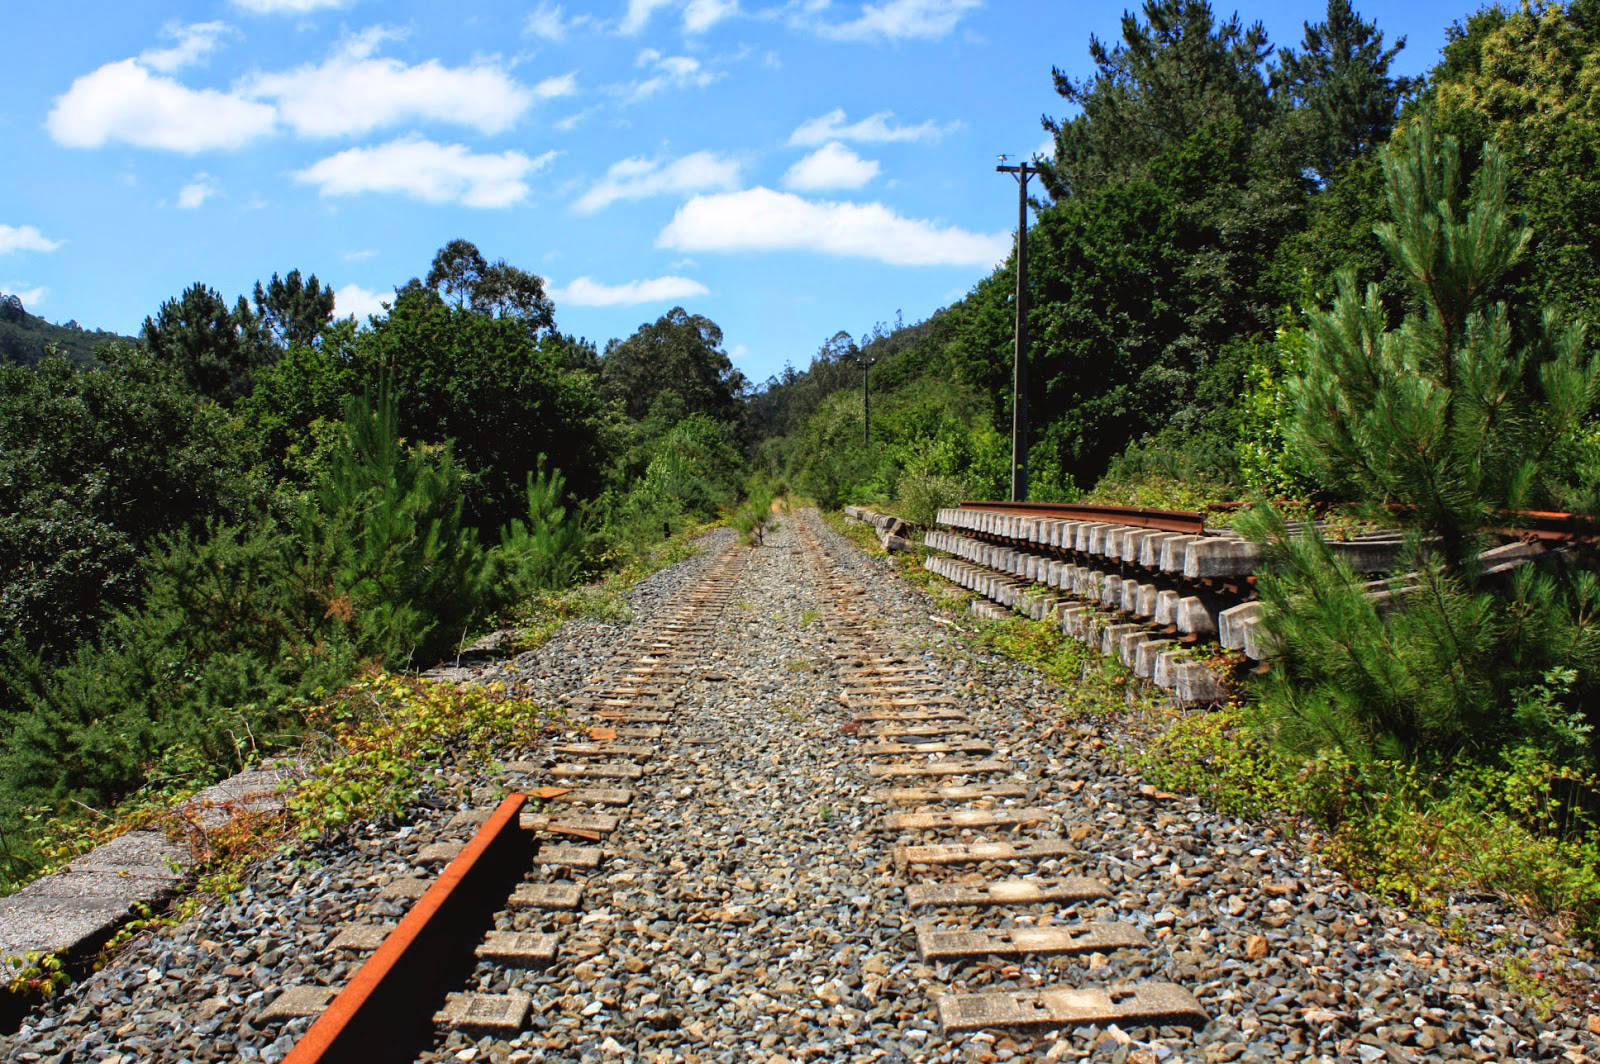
192,680
1521,830
1215,756
683,476
386,544
543,553
242,622
95,465
923,495
753,514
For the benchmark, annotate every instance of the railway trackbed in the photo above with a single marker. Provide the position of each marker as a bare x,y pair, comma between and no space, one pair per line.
793,821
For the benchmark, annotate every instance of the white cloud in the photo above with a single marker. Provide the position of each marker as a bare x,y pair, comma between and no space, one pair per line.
548,21
576,119
831,166
738,351
354,300
760,219
639,12
286,7
587,292
433,173
897,20
637,178
354,92
361,255
24,238
671,71
874,129
31,297
193,43
701,15
561,85
123,101
197,191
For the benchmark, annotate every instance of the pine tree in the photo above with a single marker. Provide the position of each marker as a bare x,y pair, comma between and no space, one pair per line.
1340,81
387,546
543,552
1466,410
1462,412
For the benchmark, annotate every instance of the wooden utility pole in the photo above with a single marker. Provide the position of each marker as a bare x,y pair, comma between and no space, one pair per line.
866,405
1019,364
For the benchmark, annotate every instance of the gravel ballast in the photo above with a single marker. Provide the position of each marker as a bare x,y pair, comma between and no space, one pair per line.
750,907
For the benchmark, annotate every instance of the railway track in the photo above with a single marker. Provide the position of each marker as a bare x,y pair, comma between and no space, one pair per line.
578,802
908,730
977,856
788,822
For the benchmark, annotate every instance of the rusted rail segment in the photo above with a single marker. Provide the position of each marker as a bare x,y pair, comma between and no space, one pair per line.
1544,525
1191,522
375,1015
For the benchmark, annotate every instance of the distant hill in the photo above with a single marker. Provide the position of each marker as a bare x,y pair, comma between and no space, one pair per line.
25,338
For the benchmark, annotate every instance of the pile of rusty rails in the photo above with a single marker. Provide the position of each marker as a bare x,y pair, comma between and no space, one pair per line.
1161,590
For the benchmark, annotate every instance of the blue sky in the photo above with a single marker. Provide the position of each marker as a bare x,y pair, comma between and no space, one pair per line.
787,168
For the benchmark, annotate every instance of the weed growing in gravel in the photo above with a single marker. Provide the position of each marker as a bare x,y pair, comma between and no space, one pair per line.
1210,754
861,535
1090,685
807,617
1513,831
755,514
372,743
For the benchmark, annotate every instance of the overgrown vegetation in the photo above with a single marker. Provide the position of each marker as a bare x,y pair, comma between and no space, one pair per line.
207,531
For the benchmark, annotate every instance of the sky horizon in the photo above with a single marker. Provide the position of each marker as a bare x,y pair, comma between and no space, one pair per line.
787,168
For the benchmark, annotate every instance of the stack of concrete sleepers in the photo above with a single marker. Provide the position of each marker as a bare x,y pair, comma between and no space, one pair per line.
1149,596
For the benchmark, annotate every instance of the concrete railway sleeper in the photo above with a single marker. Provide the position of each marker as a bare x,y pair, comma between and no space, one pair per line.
1148,587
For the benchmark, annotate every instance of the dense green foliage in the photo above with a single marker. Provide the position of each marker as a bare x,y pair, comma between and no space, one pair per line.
1469,408
204,533
1204,187
94,466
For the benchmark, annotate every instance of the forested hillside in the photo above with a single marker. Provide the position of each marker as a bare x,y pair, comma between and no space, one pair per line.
27,339
1206,191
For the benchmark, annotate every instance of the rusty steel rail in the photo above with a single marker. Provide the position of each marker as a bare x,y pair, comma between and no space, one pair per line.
376,1014
1191,522
1546,526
